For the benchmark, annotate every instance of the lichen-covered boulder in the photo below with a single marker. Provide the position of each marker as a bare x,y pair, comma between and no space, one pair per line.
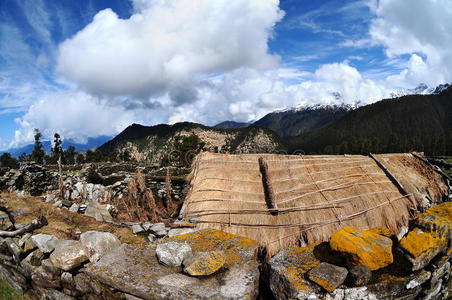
285,273
68,254
135,270
204,263
420,248
431,236
328,276
96,243
362,247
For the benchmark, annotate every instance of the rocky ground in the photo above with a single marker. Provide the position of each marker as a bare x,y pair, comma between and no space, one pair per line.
89,250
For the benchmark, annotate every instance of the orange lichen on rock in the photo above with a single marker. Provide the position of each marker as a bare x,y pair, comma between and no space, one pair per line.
205,263
362,247
438,221
382,231
299,261
236,248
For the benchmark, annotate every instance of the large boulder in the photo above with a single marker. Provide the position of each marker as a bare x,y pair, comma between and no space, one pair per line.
45,242
135,270
68,254
96,243
362,247
285,273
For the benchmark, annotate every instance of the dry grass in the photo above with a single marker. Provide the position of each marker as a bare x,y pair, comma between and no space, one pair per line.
63,223
315,196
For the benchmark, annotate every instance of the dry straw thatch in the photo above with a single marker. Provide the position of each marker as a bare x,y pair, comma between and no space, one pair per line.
314,196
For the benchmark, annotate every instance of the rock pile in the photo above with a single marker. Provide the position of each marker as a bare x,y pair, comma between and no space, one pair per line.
31,178
418,268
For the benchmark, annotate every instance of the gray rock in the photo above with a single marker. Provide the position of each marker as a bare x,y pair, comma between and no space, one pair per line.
23,239
12,281
158,229
172,253
74,208
50,198
204,263
328,276
440,268
85,285
99,212
66,203
43,278
146,226
14,249
137,229
68,254
35,258
45,242
283,282
151,238
97,243
58,203
136,271
50,268
179,231
67,280
359,275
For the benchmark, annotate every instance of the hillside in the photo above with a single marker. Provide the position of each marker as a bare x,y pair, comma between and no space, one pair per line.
302,120
231,124
413,122
169,143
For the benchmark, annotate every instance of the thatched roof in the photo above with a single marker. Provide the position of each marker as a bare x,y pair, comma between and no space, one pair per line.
314,196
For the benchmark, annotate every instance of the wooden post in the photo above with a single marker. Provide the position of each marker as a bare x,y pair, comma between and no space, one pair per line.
268,189
60,179
168,186
389,174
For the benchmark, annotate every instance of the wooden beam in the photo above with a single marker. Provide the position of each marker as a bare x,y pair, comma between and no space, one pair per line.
268,189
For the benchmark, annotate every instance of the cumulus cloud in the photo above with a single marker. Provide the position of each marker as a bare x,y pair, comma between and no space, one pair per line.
423,30
165,45
77,115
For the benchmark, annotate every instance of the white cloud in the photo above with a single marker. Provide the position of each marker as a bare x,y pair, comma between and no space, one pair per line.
77,115
168,44
423,27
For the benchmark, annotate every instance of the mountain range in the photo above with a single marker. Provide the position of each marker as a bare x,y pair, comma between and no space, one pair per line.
418,119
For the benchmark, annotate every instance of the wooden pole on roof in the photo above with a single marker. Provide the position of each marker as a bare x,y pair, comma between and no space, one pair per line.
268,189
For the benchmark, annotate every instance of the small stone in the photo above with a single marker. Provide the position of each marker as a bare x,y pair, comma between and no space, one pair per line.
362,247
45,242
58,203
172,254
137,229
35,258
68,254
422,277
50,198
151,237
359,275
440,268
66,203
204,263
146,226
96,243
158,229
50,268
179,231
74,208
328,276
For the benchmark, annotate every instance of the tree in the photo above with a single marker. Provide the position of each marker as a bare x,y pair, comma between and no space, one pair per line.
6,160
57,150
69,155
23,157
38,152
80,159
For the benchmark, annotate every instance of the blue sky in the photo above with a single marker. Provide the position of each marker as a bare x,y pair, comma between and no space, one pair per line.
92,67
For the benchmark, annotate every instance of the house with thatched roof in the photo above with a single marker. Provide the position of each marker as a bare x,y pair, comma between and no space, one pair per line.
283,200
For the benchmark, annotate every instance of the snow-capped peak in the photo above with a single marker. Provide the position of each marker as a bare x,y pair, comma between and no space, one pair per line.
421,89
